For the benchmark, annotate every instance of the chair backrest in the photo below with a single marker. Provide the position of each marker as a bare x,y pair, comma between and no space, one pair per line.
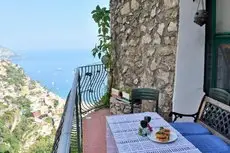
138,94
144,94
215,116
220,95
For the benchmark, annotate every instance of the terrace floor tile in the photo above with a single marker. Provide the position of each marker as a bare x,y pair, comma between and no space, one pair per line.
94,132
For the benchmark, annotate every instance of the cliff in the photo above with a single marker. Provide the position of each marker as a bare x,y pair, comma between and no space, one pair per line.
29,113
6,53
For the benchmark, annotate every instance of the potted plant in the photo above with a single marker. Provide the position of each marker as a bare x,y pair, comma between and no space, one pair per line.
120,95
201,15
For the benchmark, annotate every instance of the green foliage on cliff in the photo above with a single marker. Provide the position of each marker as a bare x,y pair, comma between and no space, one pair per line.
49,120
19,130
43,145
15,76
22,127
56,103
10,142
8,116
24,105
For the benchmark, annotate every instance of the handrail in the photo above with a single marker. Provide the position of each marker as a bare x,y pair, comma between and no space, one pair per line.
64,142
63,139
85,96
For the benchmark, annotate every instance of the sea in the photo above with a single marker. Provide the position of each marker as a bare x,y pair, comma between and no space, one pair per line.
54,69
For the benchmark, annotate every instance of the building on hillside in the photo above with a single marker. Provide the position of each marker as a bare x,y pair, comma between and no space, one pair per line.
36,114
59,111
38,120
157,44
48,101
43,116
44,110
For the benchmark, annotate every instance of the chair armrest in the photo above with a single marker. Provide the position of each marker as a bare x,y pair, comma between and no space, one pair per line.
179,115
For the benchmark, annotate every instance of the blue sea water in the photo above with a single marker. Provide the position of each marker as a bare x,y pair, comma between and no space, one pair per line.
54,69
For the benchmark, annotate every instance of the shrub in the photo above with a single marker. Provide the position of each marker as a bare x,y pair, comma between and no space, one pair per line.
105,99
56,102
42,145
15,76
49,120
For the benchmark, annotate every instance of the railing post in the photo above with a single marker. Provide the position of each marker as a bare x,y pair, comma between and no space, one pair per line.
78,114
80,110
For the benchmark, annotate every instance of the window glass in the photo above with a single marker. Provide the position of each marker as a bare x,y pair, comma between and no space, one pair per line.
223,67
222,16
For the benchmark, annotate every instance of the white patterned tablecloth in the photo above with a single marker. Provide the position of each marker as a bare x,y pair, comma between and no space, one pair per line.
122,136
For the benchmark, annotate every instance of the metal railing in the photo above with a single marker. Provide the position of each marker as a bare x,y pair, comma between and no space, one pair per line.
89,86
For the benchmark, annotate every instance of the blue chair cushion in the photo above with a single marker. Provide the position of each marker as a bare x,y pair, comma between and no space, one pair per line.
190,128
208,143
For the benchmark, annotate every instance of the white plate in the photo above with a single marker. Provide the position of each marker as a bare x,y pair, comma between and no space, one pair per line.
173,137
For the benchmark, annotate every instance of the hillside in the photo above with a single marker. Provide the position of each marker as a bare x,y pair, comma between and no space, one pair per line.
29,113
6,53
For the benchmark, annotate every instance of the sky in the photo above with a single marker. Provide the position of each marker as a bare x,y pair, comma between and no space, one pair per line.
48,24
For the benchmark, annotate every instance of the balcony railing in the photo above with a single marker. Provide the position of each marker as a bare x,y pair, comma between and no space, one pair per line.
88,88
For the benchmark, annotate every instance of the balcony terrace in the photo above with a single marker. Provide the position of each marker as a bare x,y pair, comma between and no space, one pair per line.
83,124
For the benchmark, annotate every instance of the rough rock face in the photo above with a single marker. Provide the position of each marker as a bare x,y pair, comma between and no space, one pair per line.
121,107
144,33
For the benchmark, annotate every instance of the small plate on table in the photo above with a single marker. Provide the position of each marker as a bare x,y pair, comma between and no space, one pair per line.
172,137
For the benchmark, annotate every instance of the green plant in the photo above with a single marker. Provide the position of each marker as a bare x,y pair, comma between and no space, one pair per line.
102,17
15,76
10,142
23,126
24,105
49,120
105,99
56,103
104,48
42,145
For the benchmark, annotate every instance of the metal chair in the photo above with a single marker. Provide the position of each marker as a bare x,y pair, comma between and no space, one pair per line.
139,94
220,95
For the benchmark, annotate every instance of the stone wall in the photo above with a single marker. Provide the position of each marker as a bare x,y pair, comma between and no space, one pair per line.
144,34
122,107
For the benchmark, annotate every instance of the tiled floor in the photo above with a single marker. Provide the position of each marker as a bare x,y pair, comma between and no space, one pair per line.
94,132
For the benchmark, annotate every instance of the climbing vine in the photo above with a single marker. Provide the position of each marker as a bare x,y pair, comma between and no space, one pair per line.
103,48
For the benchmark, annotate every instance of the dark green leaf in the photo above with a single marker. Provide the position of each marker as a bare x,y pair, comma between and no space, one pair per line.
99,55
94,11
98,7
101,42
107,24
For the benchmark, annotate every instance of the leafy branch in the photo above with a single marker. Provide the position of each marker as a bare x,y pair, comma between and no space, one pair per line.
103,48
